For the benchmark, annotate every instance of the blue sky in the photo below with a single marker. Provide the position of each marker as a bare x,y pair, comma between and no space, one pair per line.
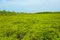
30,5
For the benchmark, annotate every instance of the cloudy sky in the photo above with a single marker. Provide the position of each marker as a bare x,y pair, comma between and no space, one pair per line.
30,5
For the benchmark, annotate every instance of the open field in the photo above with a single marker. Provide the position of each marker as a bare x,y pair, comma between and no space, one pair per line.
15,26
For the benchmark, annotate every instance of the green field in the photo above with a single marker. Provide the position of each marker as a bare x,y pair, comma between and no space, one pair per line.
26,26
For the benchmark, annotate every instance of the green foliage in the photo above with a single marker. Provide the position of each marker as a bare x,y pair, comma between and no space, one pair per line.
15,26
7,13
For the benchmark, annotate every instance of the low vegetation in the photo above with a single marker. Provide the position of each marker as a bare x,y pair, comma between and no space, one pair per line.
22,26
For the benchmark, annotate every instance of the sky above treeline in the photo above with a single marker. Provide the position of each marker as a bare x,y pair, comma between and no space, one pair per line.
30,5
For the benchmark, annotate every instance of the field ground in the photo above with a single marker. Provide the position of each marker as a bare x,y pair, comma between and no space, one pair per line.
30,26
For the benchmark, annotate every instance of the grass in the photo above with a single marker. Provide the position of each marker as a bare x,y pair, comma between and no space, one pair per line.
38,26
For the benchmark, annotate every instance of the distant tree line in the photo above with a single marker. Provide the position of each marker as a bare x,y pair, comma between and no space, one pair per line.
4,12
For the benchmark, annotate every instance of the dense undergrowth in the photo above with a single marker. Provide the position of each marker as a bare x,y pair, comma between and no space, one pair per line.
38,26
